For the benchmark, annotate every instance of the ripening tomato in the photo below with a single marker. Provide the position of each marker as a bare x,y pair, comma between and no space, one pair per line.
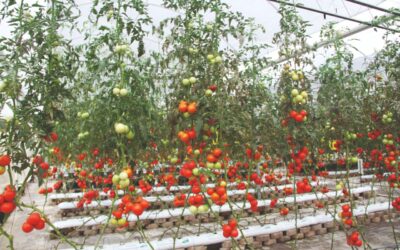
137,209
34,219
284,211
220,190
8,195
192,108
5,160
232,223
217,152
7,207
27,228
183,107
234,233
40,225
211,158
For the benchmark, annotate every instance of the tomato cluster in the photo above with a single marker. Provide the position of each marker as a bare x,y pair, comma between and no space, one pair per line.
87,198
45,191
273,203
7,200
187,135
145,186
346,215
196,200
58,185
197,204
218,195
34,221
303,186
187,169
230,229
353,240
256,179
298,160
253,202
179,200
396,204
393,180
255,156
214,159
187,108
5,160
298,116
129,205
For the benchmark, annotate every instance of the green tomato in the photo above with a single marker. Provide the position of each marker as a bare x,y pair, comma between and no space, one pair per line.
116,91
123,92
213,129
208,92
210,165
295,77
196,172
115,179
113,221
186,114
196,152
294,92
80,136
123,176
217,165
193,209
124,183
130,135
3,86
210,56
304,94
174,160
85,115
121,222
218,59
299,98
185,82
120,128
164,142
192,80
110,14
202,208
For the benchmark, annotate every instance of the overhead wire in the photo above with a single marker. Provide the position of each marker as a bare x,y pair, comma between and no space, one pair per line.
393,12
334,15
